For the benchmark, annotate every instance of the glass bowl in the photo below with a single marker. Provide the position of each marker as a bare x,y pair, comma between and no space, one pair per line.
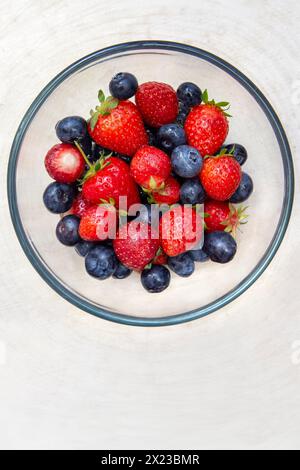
254,124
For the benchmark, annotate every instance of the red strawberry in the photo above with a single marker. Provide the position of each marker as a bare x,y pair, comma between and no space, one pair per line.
169,195
150,167
80,205
64,163
108,183
98,223
134,246
117,125
157,103
206,126
160,257
180,230
220,176
220,215
216,213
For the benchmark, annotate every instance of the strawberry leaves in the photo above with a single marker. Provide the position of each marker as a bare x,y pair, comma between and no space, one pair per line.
94,118
106,105
205,96
223,152
100,164
154,186
101,96
237,217
223,105
110,201
97,166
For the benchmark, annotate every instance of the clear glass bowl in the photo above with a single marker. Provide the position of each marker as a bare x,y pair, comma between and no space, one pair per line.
254,124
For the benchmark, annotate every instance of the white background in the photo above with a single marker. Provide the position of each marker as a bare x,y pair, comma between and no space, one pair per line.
69,380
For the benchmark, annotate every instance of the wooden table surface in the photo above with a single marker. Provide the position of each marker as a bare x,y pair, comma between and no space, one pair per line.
69,380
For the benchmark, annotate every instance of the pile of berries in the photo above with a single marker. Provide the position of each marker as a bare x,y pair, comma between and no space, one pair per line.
165,151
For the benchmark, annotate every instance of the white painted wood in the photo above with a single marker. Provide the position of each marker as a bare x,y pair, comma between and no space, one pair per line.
69,380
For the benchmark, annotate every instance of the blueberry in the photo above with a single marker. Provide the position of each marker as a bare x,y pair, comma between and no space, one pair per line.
122,271
192,192
58,197
238,151
71,128
189,93
149,215
123,85
156,279
244,190
101,262
220,246
199,255
151,136
83,247
170,136
87,145
183,264
186,161
67,230
183,111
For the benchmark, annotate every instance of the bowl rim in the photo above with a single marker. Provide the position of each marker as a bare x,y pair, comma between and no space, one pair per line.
286,210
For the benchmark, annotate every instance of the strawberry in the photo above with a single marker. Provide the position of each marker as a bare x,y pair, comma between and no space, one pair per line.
80,205
206,126
134,246
117,125
170,194
150,167
180,230
64,163
160,257
98,223
220,176
223,216
157,103
108,180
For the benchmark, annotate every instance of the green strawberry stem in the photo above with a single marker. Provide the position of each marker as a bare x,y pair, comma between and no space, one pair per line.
223,153
223,105
106,106
236,218
83,154
100,164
